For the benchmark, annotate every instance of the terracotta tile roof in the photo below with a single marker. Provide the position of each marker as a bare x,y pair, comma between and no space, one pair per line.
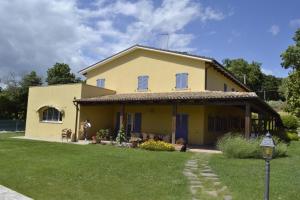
203,95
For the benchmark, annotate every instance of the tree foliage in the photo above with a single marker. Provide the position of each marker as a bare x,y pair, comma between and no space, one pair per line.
291,56
264,85
293,93
60,73
13,98
240,68
291,60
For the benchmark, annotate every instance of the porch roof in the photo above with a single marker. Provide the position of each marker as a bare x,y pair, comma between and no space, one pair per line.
201,97
144,96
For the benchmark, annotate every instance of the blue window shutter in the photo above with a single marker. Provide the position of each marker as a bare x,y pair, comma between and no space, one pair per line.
184,80
140,80
101,82
137,122
117,126
146,82
177,80
143,82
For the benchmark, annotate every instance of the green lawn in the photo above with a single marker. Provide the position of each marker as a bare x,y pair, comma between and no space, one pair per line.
44,170
245,177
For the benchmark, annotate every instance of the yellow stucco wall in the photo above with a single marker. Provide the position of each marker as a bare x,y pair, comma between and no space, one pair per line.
122,73
195,122
101,117
156,119
61,97
216,80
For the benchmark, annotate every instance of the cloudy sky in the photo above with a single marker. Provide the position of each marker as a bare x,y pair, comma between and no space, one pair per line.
35,34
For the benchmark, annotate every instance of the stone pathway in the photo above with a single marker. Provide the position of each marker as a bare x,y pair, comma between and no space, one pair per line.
8,194
204,183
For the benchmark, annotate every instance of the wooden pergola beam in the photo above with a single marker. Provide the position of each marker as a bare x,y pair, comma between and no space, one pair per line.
174,115
122,118
247,120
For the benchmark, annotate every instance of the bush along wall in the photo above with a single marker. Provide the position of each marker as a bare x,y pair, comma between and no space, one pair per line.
236,146
291,124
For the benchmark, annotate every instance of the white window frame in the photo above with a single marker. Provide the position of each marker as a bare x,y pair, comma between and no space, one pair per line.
48,119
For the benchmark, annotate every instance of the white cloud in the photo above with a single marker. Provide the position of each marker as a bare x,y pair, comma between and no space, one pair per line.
295,23
267,71
36,34
274,29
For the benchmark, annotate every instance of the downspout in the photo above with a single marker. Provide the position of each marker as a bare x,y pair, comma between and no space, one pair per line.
76,119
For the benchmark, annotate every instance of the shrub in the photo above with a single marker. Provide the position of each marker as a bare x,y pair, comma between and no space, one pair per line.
236,146
280,150
102,134
121,137
292,135
157,146
289,121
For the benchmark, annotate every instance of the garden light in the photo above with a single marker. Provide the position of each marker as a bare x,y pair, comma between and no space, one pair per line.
268,146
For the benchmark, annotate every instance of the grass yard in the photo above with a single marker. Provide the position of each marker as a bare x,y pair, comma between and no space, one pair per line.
44,170
245,177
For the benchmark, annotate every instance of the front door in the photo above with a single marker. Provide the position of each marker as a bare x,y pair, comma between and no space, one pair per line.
182,127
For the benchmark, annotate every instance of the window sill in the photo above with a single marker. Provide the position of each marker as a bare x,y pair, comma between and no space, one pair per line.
51,122
142,90
179,89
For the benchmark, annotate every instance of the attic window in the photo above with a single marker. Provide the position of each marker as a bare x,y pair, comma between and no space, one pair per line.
101,83
225,87
143,82
182,81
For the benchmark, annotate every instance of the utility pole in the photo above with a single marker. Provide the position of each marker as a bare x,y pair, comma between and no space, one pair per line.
245,82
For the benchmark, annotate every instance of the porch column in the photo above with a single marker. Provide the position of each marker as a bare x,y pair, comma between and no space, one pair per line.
122,113
265,124
260,129
247,120
174,114
269,124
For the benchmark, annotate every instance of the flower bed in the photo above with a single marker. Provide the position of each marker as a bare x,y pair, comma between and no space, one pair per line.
157,146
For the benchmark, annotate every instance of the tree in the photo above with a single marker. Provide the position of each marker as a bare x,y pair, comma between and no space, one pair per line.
291,60
13,99
291,56
60,73
293,93
31,79
240,68
270,86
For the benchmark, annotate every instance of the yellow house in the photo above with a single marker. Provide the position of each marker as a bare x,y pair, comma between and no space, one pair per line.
152,91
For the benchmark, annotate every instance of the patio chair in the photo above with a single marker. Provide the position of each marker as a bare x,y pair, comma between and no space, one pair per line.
66,133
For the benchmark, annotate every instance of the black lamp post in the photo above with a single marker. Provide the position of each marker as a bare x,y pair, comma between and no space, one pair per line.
268,146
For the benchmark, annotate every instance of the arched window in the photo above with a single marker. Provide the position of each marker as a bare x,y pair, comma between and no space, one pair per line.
51,114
